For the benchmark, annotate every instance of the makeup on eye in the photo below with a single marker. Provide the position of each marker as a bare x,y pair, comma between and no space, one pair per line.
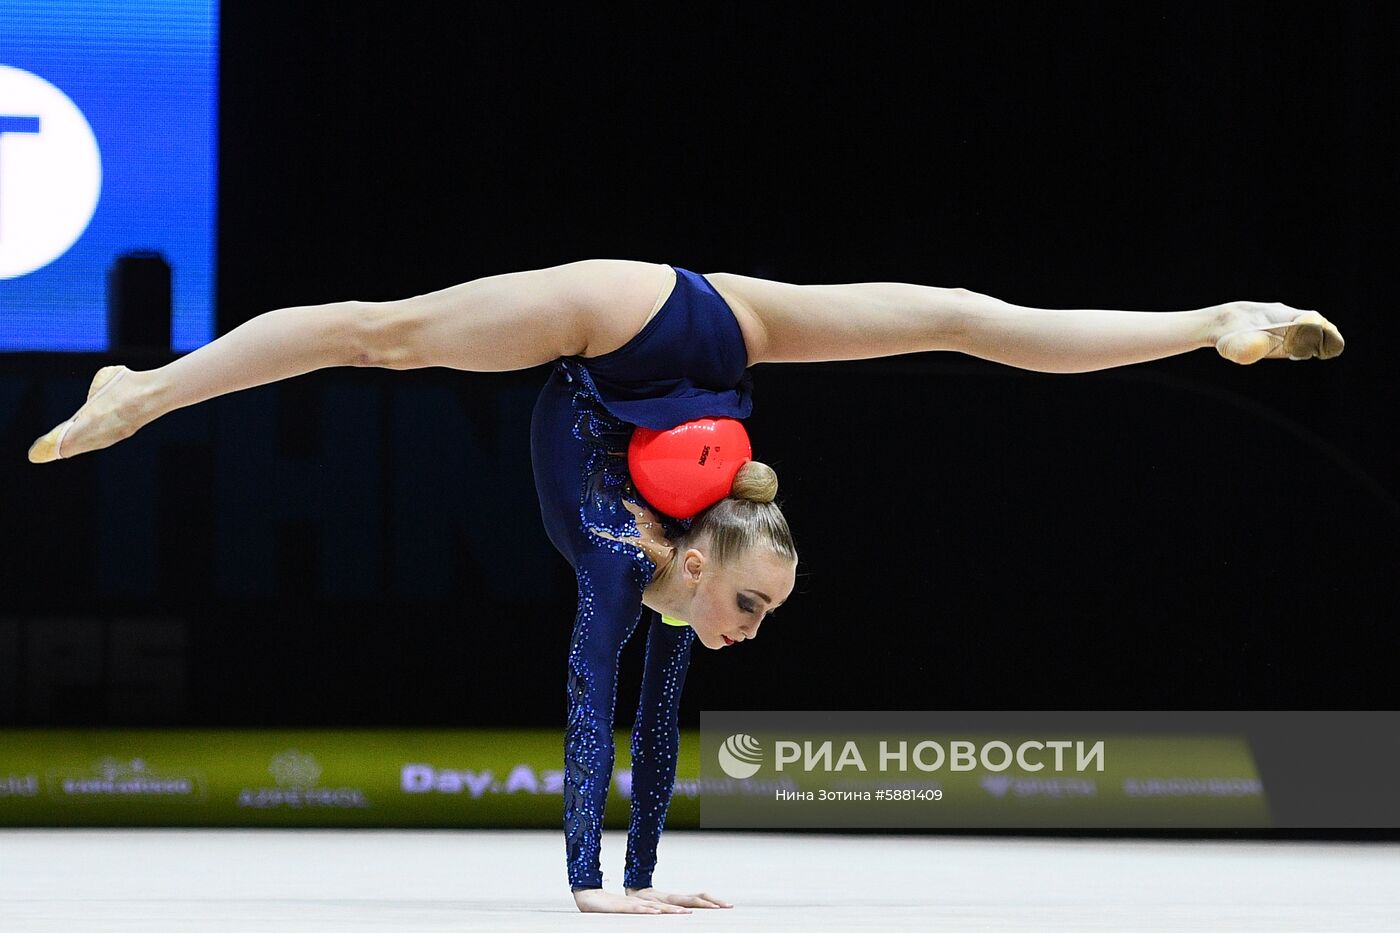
751,605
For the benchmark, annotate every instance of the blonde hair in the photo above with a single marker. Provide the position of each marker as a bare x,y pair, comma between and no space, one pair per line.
746,518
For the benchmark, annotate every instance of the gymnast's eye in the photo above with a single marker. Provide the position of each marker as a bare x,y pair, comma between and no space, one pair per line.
746,605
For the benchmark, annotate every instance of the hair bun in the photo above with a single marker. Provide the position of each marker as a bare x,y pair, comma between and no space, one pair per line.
755,482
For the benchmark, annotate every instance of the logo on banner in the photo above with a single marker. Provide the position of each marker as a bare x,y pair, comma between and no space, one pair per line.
19,785
1000,785
50,172
523,779
296,775
112,777
1193,787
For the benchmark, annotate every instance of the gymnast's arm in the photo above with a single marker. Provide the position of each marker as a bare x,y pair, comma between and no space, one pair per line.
655,745
609,607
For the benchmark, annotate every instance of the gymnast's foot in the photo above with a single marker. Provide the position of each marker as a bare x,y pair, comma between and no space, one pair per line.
1249,331
112,412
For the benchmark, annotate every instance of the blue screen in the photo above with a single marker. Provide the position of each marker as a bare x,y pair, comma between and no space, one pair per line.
108,123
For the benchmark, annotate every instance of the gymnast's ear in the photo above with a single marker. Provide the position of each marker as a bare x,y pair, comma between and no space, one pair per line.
694,561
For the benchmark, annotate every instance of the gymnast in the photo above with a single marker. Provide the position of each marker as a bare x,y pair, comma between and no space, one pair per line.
635,343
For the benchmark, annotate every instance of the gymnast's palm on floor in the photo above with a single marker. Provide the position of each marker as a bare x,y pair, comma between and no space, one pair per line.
681,900
598,901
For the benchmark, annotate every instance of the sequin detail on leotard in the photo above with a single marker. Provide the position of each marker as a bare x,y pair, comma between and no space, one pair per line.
608,480
611,576
655,741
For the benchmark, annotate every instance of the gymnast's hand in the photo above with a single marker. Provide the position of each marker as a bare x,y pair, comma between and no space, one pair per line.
1245,332
598,901
684,900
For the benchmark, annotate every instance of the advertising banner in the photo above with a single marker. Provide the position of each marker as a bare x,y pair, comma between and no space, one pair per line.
108,151
456,778
740,770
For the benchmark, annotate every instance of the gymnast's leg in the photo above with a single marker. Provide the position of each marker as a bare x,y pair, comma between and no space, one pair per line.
862,320
501,322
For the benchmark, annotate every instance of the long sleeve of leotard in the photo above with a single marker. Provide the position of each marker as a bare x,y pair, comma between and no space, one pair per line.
655,742
609,607
579,455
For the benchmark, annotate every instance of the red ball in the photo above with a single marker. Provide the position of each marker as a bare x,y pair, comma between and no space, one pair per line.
690,467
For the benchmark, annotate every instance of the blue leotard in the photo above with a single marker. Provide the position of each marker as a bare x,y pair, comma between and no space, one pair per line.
688,361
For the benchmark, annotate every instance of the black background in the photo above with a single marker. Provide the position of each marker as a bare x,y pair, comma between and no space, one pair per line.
1181,534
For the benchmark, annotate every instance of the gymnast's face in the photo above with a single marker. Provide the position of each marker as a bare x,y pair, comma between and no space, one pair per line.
728,604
